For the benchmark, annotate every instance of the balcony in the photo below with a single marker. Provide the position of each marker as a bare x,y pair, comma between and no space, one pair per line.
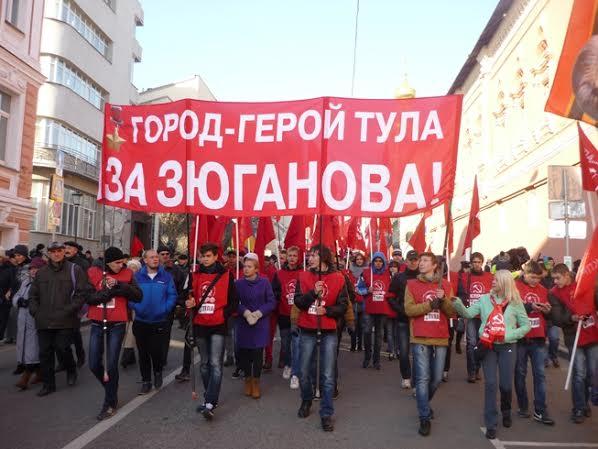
74,162
133,94
137,50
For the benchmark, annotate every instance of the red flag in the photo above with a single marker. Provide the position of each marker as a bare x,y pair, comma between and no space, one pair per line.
385,228
448,219
136,247
203,235
588,155
265,234
473,227
296,233
217,230
328,232
586,278
418,239
245,231
355,238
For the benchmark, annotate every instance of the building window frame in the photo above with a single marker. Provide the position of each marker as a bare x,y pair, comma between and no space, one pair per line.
51,133
12,12
5,121
79,220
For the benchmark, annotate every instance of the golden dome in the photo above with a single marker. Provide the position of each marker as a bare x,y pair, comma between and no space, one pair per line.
404,90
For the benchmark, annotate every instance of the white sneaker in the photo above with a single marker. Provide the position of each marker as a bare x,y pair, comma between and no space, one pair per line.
286,372
294,383
406,384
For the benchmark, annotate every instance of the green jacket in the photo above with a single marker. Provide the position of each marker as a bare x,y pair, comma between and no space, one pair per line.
516,320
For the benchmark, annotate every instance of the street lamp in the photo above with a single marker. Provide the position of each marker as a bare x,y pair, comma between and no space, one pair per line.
76,197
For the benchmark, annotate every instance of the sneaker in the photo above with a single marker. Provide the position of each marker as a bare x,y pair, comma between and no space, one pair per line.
238,374
406,384
158,380
491,434
46,390
523,413
208,411
286,372
445,376
294,383
425,426
183,376
327,425
228,361
146,387
507,421
543,418
471,379
578,417
106,412
200,408
365,364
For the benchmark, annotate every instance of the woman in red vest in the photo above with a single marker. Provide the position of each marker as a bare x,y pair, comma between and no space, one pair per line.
321,297
114,288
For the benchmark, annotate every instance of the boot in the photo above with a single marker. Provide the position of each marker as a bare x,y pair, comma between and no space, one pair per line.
23,382
255,388
37,377
248,386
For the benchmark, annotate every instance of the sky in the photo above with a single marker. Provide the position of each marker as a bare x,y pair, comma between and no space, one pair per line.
273,50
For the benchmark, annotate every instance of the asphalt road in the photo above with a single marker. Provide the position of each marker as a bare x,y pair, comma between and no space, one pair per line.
372,412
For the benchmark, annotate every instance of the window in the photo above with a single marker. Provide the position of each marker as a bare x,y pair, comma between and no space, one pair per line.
78,220
4,116
68,12
52,134
61,72
12,12
40,191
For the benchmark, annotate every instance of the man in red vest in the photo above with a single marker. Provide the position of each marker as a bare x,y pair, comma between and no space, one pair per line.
428,304
533,345
214,300
114,288
321,297
472,285
566,316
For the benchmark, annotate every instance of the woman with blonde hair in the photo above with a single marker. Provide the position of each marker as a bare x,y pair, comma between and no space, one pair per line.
503,322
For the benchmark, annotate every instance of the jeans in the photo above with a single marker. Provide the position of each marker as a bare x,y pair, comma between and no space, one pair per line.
472,335
404,349
211,352
500,359
150,346
295,352
553,335
536,352
55,343
284,325
229,341
392,331
115,334
584,375
328,347
357,335
251,361
377,322
429,364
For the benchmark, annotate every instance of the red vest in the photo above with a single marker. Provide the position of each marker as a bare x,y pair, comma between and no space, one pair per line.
376,303
536,319
211,312
358,297
333,285
116,309
589,328
435,323
288,282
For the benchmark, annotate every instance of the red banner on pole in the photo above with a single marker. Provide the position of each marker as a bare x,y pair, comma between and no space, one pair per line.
331,156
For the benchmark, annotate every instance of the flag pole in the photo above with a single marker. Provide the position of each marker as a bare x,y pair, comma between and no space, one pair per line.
591,209
195,243
237,244
371,251
572,359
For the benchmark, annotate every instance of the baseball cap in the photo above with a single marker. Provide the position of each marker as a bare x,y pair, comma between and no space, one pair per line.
251,256
397,252
55,245
412,255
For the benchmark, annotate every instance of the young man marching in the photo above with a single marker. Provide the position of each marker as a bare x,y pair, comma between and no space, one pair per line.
533,345
321,297
214,300
428,304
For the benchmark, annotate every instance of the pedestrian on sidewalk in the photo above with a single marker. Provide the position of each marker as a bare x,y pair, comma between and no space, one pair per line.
497,351
215,299
151,322
57,293
256,303
427,303
113,289
27,344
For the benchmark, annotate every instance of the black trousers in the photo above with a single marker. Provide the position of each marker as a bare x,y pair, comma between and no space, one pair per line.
166,339
55,343
150,346
251,361
5,307
78,342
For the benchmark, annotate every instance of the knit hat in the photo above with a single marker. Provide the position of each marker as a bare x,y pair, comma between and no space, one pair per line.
251,256
163,248
37,262
22,250
112,254
72,244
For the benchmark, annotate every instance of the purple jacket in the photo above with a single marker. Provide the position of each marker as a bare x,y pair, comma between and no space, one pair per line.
254,295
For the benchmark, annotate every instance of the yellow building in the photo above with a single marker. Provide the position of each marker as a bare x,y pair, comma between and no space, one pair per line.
506,137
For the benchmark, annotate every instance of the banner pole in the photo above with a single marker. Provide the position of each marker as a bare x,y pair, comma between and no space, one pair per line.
371,251
237,243
195,243
347,261
277,245
572,359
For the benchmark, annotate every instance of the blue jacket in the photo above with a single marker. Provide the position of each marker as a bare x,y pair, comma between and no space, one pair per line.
379,255
159,296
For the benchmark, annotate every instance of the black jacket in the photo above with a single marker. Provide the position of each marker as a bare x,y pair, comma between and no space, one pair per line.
7,279
398,284
53,301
